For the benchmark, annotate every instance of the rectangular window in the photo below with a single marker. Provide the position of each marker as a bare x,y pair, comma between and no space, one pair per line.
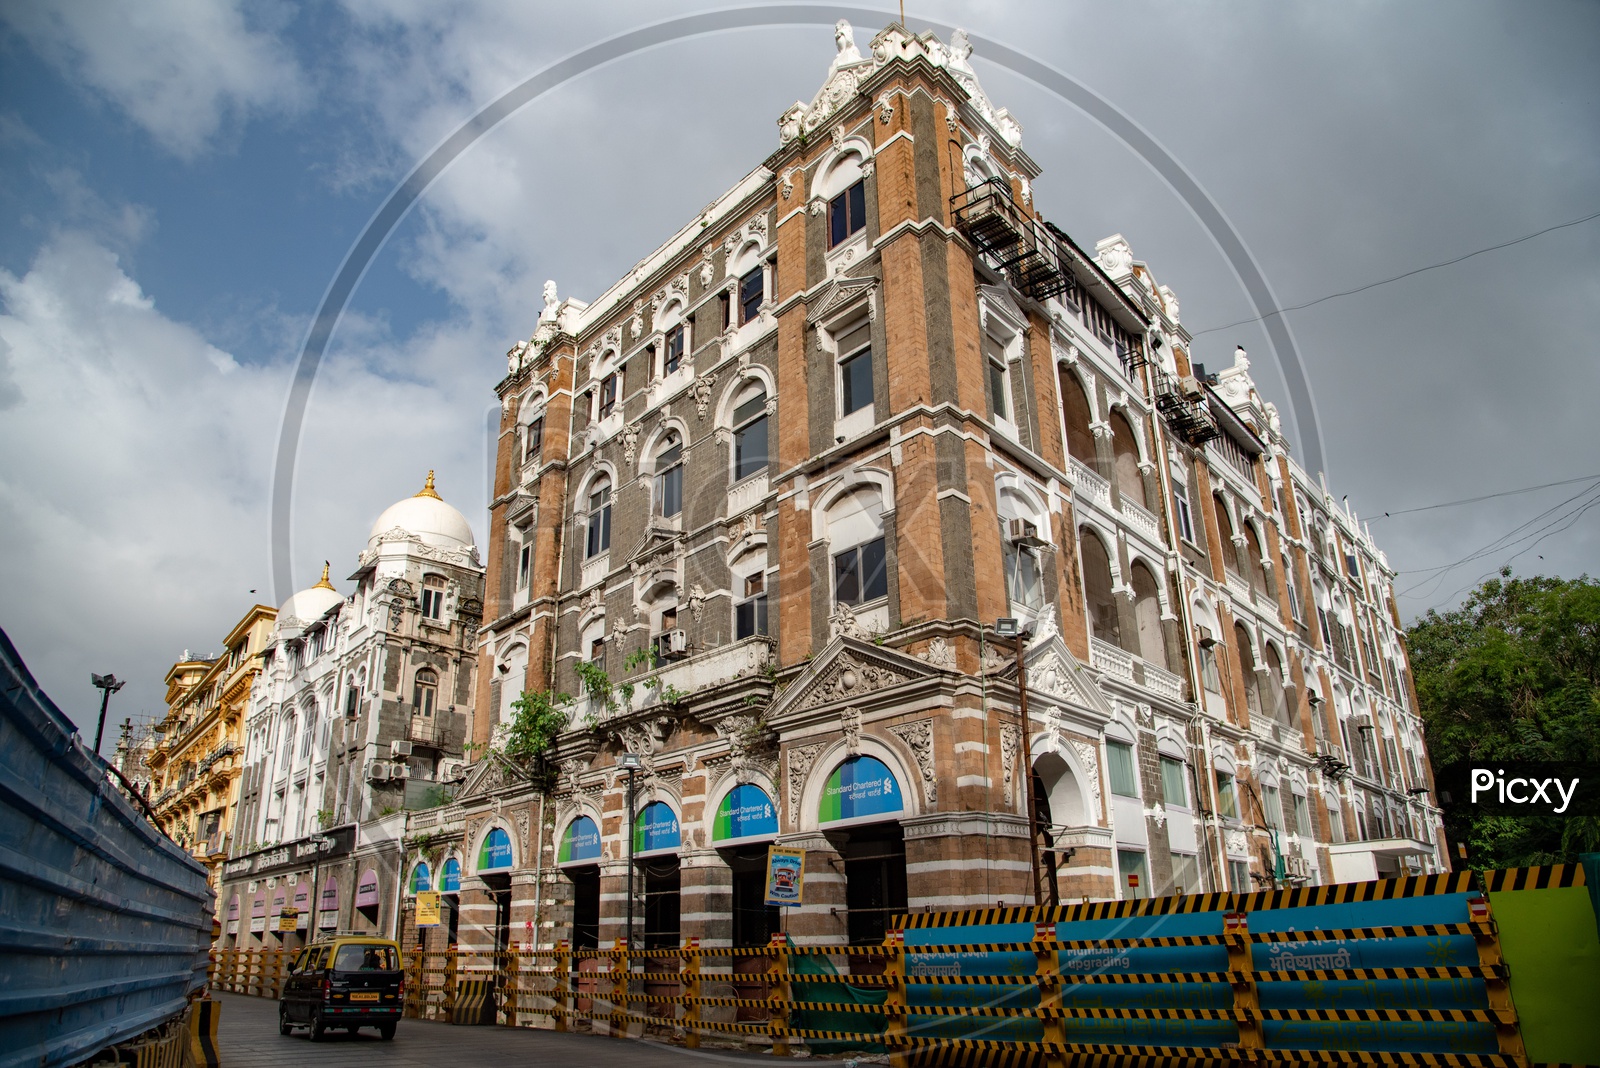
669,483
597,653
1185,874
1227,804
855,370
1135,877
1302,815
1239,875
608,394
1209,678
1119,760
847,213
599,522
1023,575
674,355
750,437
725,306
524,564
1351,567
996,364
1180,509
1272,803
1172,782
751,293
859,574
432,603
750,615
533,441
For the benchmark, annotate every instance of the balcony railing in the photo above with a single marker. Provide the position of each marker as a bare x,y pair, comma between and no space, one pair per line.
1109,658
426,730
1089,482
1142,520
1182,404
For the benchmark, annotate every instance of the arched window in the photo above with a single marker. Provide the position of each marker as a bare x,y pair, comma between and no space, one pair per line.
750,431
1275,698
860,557
1247,669
425,692
669,476
599,517
1130,483
1021,536
1075,413
1229,552
1147,612
1097,587
310,729
1251,568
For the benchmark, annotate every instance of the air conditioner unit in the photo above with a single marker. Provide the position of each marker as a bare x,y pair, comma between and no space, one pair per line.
1334,749
675,643
379,771
400,772
1190,385
398,750
1023,532
452,770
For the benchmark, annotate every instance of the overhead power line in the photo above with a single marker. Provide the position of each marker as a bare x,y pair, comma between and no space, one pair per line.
1398,277
1486,497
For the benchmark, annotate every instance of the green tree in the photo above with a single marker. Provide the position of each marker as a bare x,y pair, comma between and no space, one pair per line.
1513,674
537,720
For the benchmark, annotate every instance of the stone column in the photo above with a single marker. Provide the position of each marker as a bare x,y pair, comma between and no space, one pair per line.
814,922
614,903
964,860
705,899
475,932
524,887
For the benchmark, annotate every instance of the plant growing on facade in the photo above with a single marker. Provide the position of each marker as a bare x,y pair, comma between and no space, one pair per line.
596,683
324,816
538,719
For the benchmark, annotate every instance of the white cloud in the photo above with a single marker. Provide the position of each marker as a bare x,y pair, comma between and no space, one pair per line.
138,468
178,68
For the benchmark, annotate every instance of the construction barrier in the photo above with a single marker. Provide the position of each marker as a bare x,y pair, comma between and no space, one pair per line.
204,1016
1408,971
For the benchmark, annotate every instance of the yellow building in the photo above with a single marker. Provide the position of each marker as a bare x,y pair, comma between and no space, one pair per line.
199,751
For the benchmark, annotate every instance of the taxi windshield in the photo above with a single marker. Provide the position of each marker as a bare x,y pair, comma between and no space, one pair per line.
359,958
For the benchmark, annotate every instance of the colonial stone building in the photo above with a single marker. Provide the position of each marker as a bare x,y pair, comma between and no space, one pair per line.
759,506
195,755
360,715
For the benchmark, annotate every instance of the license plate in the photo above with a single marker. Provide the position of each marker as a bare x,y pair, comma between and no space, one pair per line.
364,995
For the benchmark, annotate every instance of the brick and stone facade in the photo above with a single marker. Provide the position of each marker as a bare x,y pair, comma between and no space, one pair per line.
759,506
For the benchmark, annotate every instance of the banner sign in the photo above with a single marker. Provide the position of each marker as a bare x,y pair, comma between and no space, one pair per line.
746,812
450,881
786,870
580,843
861,786
495,854
427,908
421,878
656,829
367,890
288,920
258,914
301,853
302,903
328,916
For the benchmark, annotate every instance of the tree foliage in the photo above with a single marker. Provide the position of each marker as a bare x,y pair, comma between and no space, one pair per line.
538,719
1514,675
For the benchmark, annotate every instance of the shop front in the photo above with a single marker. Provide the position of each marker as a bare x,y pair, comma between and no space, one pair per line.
859,813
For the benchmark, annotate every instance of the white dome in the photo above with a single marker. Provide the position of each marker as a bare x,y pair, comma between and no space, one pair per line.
309,604
426,516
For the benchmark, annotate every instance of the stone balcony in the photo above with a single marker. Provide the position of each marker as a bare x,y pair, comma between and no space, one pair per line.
1089,483
1118,662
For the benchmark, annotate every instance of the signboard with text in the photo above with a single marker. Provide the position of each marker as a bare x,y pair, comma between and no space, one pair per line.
656,829
786,870
495,853
746,812
580,843
861,786
427,908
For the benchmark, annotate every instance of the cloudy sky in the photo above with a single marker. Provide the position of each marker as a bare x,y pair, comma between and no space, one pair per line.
180,181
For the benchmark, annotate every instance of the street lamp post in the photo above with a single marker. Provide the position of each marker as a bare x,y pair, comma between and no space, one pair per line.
1009,628
630,763
107,685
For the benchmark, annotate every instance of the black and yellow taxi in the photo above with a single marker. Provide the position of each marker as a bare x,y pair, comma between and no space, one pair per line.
343,983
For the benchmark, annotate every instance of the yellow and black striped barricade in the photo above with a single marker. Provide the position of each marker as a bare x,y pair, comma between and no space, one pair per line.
204,1017
474,1001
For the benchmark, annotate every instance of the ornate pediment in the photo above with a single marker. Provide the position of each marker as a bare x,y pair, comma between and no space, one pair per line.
846,671
839,294
490,776
1055,674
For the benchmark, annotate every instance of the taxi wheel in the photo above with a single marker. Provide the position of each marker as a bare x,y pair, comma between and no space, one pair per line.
386,1030
284,1026
318,1030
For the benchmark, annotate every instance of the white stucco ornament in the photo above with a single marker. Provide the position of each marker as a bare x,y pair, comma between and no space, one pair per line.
1114,255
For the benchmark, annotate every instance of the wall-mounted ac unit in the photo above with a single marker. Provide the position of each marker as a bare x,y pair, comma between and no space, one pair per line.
379,771
452,770
1023,532
400,772
675,643
1190,385
399,749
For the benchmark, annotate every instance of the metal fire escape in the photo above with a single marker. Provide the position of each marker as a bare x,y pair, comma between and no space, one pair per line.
1012,238
1182,403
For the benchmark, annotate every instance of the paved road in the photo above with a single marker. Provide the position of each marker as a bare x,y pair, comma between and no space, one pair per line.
248,1037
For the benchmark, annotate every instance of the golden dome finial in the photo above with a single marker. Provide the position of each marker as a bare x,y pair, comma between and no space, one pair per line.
427,488
323,583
